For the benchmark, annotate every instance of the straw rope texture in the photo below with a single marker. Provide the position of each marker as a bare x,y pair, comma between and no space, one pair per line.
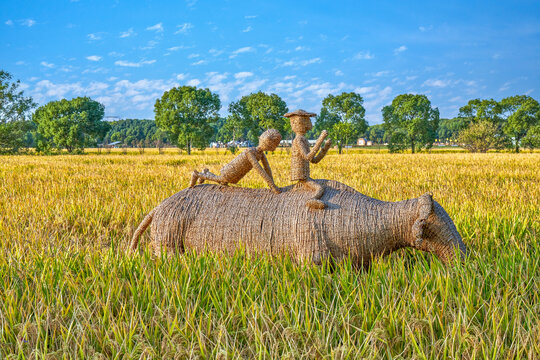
220,218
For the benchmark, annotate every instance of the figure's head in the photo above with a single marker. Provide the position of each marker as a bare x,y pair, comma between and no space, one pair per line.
269,140
300,121
435,232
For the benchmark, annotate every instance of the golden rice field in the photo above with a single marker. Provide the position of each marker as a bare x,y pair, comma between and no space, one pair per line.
68,289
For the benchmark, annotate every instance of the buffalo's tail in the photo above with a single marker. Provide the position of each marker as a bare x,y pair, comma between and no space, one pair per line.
142,227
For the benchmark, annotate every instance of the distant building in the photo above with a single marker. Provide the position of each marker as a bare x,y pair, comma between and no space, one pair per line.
364,142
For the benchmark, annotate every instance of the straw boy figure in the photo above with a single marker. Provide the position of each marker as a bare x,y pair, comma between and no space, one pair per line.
243,163
301,156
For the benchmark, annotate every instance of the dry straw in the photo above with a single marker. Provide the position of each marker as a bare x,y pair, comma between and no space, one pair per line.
217,218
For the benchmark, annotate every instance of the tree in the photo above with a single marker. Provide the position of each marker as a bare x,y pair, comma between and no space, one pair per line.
71,124
481,136
186,114
349,112
256,112
375,133
532,139
14,109
481,109
129,130
523,112
410,121
450,128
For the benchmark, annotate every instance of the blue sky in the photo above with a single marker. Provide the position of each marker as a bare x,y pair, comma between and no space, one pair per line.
125,54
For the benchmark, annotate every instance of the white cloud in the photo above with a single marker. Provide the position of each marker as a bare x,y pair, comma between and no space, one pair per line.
301,48
157,28
338,73
364,55
9,22
200,62
250,16
128,33
243,75
215,52
28,22
436,83
248,29
183,28
20,62
400,49
93,58
242,50
289,77
192,56
180,76
193,82
94,37
410,78
46,64
303,62
133,64
425,28
115,54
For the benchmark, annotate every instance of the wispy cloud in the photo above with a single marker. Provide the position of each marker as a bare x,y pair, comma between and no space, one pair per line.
215,52
93,58
183,28
94,37
200,62
436,83
9,22
248,29
134,64
243,75
425,28
128,33
250,16
302,62
364,55
46,64
338,73
242,50
157,28
28,22
400,49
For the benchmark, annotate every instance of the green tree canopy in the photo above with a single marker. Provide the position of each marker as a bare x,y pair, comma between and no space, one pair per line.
523,112
130,131
481,109
450,128
375,133
481,136
186,114
254,113
14,110
345,114
70,124
410,121
532,139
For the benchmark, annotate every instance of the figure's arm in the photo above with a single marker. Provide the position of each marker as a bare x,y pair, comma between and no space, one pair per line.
309,156
323,152
262,173
266,166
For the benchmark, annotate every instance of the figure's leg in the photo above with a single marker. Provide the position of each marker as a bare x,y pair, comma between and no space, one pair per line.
194,178
314,202
207,175
201,181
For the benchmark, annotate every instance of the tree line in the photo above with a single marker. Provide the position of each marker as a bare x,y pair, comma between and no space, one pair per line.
188,117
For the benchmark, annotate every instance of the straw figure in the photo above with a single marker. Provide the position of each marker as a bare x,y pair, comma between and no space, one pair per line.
222,219
243,163
301,156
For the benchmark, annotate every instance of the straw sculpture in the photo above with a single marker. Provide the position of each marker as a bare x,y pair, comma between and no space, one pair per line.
216,218
301,156
243,163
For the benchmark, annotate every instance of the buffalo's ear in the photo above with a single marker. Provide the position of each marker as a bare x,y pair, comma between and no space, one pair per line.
425,208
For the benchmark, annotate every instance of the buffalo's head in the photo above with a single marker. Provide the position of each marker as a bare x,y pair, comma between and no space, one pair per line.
435,232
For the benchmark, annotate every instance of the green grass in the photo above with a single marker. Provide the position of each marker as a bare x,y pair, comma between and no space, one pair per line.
68,289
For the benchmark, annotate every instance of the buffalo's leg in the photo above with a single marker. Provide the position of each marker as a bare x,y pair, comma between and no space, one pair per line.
318,189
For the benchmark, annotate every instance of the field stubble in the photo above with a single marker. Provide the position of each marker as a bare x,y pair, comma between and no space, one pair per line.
67,287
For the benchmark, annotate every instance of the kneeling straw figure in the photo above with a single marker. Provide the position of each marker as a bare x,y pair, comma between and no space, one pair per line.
301,156
243,163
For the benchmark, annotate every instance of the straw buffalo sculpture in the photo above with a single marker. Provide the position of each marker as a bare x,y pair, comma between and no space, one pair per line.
312,220
219,218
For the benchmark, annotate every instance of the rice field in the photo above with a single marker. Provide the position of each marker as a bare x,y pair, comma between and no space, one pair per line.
69,289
